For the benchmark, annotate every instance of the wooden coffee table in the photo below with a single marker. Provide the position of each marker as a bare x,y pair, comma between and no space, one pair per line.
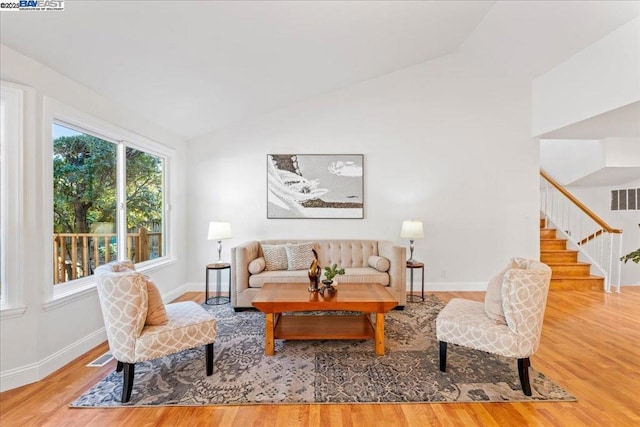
368,298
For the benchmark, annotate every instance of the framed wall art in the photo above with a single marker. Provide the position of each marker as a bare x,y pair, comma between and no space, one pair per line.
315,186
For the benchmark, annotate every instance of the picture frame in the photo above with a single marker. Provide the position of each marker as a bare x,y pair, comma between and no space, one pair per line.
315,186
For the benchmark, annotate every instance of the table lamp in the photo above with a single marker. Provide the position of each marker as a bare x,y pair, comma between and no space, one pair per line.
219,231
412,230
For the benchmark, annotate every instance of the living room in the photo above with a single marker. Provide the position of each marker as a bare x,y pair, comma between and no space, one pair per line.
448,138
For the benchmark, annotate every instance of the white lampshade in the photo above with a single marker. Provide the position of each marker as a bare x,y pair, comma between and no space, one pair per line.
412,230
219,230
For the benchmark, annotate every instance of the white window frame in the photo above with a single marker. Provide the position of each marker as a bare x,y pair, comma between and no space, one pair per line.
57,112
12,222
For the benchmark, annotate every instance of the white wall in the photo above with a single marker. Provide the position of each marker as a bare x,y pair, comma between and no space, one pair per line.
600,78
39,341
598,199
568,160
622,152
446,142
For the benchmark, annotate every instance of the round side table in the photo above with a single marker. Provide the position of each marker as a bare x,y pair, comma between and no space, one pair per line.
217,298
416,265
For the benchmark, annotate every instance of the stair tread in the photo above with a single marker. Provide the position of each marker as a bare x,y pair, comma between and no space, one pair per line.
553,277
567,263
556,250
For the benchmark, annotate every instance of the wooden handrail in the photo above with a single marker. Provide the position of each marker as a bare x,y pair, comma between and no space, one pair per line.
580,205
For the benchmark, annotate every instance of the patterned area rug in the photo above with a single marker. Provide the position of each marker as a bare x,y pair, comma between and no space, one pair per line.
324,371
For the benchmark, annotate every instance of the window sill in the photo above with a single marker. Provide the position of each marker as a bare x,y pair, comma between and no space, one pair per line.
88,287
156,264
10,312
68,296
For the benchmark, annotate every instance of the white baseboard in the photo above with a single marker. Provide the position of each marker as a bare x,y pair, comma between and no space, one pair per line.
199,287
177,292
19,376
33,372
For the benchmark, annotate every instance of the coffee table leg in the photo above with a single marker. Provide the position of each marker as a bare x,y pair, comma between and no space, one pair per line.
380,334
268,335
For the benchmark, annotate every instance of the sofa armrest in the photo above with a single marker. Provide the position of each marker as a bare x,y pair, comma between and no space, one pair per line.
397,256
241,256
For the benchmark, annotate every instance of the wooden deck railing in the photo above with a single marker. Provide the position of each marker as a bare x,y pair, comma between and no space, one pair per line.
76,255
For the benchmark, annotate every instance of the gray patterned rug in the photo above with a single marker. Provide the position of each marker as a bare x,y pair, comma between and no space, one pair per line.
324,371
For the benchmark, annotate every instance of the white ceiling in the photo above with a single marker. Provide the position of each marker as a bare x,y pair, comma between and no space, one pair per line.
198,66
193,66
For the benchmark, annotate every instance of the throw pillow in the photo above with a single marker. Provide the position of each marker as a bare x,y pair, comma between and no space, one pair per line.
156,313
275,257
379,263
257,266
493,298
299,256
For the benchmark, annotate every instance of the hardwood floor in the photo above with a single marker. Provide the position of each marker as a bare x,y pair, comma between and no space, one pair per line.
590,345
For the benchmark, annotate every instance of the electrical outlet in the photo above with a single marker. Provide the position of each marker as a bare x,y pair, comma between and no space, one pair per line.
443,274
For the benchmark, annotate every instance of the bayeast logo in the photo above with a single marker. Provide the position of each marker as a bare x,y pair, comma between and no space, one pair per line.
33,5
41,4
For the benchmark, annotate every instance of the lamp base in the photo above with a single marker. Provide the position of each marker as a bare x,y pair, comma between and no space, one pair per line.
413,261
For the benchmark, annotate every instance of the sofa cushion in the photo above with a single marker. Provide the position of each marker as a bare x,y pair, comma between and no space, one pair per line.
379,263
281,276
156,313
299,256
275,257
363,275
257,265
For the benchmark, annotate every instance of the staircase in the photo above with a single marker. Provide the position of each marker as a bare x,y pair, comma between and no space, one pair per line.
566,271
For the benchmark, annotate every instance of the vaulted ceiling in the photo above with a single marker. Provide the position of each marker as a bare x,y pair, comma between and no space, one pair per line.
193,66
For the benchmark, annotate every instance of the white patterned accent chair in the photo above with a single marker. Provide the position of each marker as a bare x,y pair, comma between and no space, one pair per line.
522,286
124,301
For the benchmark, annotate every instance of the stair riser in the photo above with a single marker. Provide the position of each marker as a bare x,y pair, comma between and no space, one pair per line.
570,270
547,233
553,244
551,257
596,284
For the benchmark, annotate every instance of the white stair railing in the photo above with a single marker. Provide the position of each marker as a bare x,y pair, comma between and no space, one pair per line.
597,242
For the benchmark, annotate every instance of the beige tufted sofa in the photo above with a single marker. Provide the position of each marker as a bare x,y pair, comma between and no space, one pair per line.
352,255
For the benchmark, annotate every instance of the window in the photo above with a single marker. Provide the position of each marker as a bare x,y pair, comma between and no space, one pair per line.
622,200
84,203
108,194
11,143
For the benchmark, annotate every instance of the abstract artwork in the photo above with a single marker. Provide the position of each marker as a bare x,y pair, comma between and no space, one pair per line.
315,186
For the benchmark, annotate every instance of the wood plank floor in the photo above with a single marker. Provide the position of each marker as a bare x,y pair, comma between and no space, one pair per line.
590,345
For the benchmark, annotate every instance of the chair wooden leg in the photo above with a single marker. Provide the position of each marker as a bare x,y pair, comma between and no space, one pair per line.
443,356
523,371
127,384
209,358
